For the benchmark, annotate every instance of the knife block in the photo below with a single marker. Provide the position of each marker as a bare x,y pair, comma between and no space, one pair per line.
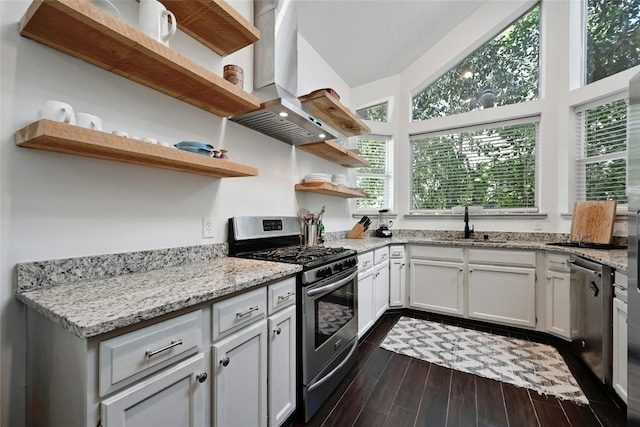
357,232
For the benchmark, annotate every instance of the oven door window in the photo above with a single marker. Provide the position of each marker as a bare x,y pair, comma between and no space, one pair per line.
333,311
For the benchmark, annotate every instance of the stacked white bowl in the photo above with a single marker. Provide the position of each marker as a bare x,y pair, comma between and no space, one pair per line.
340,180
317,177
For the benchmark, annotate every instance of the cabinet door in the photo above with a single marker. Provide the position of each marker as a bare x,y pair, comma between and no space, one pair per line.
558,304
240,378
380,290
365,302
396,283
173,397
620,354
436,286
502,294
282,365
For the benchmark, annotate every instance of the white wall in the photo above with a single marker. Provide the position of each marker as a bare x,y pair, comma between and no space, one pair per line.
559,42
57,206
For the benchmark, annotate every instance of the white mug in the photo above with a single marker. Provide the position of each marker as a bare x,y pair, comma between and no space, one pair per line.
120,133
153,21
89,121
58,111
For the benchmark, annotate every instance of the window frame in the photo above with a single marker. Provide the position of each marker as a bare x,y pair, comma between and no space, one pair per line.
388,176
534,117
578,191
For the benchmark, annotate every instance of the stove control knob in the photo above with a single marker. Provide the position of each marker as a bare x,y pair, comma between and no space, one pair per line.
351,262
338,266
324,272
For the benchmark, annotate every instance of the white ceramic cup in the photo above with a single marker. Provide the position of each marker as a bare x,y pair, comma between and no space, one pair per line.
149,140
58,111
153,20
120,133
89,121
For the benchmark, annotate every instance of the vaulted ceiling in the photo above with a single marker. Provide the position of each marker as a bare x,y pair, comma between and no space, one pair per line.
366,40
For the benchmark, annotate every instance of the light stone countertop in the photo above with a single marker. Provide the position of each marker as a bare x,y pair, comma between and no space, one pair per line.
93,295
90,308
616,258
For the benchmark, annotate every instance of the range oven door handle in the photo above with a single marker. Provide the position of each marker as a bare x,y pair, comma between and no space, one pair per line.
332,286
326,378
574,266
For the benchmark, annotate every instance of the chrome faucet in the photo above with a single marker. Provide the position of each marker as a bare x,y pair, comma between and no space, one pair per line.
467,232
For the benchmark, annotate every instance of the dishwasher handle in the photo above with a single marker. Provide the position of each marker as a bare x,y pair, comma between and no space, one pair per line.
574,266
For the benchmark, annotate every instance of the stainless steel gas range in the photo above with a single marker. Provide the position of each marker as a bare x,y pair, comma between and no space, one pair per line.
326,301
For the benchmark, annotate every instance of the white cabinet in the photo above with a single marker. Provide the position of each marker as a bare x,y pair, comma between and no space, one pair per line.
365,298
174,397
502,286
380,282
558,307
380,289
254,357
436,279
373,287
620,346
240,378
397,276
282,352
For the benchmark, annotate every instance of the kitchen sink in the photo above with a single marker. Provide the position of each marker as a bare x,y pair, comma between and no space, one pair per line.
474,240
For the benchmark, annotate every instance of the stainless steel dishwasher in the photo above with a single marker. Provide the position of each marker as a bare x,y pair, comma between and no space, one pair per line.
591,288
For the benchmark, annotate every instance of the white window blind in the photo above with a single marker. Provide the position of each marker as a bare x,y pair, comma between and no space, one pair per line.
492,165
376,180
601,151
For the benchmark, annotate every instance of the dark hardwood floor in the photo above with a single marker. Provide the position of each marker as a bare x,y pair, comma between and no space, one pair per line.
389,389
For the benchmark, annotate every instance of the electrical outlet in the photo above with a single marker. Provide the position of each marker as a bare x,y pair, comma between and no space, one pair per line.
537,225
207,228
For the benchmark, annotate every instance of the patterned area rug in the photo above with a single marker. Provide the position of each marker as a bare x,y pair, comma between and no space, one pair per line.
522,363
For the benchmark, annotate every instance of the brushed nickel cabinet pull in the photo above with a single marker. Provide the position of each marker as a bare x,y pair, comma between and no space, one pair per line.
150,353
286,296
251,309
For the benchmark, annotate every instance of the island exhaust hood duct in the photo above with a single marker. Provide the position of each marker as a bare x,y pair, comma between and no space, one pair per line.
275,78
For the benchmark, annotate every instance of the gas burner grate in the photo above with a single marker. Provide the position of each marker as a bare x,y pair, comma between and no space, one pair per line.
296,254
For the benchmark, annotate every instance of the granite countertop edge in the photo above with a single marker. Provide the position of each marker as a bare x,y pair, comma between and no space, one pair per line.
94,307
616,258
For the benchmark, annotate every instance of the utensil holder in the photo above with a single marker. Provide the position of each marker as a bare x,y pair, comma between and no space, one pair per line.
310,234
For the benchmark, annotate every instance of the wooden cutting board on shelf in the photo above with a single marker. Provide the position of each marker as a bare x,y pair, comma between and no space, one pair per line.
593,221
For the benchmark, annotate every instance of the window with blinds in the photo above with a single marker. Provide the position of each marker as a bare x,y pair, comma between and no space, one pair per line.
376,180
601,151
493,166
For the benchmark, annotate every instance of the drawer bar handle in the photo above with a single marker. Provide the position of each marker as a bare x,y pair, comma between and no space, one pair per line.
286,296
174,343
251,309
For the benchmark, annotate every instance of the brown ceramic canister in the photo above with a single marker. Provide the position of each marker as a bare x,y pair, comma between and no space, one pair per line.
234,74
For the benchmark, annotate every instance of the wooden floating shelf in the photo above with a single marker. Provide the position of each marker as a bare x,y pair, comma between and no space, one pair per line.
334,152
214,23
330,110
84,31
331,190
64,138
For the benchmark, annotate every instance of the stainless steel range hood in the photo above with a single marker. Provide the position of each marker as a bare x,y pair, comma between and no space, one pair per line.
275,78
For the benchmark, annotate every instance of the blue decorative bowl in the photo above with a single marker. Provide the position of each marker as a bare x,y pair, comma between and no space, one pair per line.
194,144
196,150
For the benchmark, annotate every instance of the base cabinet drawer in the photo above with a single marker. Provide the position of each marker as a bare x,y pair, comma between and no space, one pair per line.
131,356
174,397
237,312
